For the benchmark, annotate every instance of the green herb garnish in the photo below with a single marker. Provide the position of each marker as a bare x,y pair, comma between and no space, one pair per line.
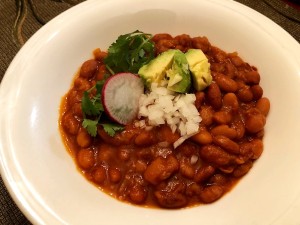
92,109
112,128
129,53
90,126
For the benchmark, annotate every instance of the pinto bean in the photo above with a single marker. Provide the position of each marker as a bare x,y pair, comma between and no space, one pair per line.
160,36
101,72
222,117
241,170
225,83
216,155
165,134
257,91
99,175
81,84
230,70
105,152
211,193
124,154
161,169
219,55
206,113
227,169
77,111
236,60
165,44
173,195
83,139
240,83
203,173
214,96
263,105
246,152
254,120
193,189
70,123
257,148
85,158
88,68
252,77
73,97
245,94
114,174
140,166
138,194
224,130
181,48
218,179
99,55
184,40
144,154
203,137
260,134
145,138
239,126
132,188
201,43
199,99
230,101
188,149
227,144
217,67
186,169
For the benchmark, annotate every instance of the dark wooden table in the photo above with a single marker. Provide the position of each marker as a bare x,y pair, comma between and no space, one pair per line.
20,19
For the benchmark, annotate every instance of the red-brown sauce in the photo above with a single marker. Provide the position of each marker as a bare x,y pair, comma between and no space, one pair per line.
142,167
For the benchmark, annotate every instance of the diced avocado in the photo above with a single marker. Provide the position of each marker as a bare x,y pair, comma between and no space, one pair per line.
155,70
200,68
179,74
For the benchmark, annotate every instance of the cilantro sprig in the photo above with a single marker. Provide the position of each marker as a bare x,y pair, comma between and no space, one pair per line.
92,109
92,106
112,128
90,126
127,54
130,52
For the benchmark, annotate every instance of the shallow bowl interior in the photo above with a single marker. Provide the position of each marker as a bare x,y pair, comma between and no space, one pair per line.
41,175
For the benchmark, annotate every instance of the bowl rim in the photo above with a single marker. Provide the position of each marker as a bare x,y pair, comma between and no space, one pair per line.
282,36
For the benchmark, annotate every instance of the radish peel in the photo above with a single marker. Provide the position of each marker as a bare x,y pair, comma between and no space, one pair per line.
120,97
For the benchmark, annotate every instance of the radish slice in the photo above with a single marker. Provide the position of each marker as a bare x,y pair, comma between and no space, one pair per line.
120,97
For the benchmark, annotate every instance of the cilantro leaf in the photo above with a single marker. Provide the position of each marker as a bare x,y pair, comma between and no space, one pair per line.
98,105
130,52
99,85
92,106
88,106
90,126
111,128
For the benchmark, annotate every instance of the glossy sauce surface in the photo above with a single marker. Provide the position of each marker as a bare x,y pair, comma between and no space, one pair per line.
142,167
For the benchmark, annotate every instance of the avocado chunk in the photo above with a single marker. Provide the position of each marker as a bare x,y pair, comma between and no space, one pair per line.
179,79
155,70
200,68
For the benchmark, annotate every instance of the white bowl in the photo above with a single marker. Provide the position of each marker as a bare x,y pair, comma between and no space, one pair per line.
42,177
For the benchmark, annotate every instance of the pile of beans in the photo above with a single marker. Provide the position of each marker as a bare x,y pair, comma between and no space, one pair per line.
142,167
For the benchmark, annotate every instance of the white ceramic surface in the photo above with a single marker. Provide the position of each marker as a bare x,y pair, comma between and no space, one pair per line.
42,177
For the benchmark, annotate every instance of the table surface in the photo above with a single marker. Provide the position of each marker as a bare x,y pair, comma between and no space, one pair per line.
20,19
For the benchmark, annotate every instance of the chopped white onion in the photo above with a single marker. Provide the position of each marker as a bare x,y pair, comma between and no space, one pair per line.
162,106
194,159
